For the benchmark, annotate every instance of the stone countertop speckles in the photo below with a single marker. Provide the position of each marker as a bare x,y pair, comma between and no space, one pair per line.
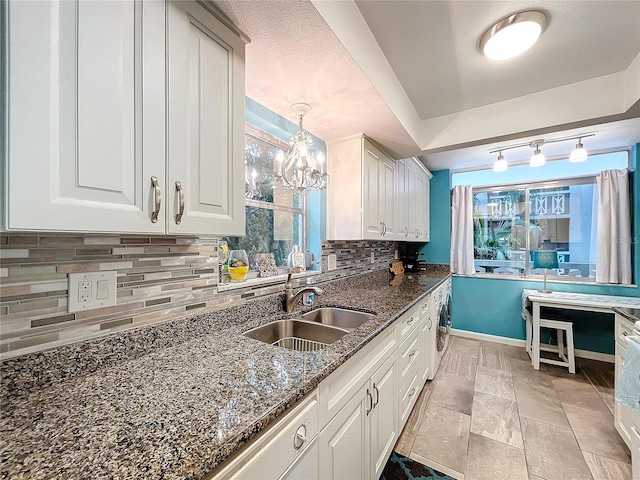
173,401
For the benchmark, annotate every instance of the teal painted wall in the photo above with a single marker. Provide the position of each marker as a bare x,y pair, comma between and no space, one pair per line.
438,248
493,306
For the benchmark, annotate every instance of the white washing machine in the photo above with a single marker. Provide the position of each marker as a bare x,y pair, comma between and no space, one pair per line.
441,325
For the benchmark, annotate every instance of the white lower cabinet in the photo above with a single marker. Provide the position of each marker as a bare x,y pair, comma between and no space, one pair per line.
359,412
358,440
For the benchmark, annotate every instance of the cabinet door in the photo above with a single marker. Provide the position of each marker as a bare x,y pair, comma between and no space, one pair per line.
412,195
371,209
402,203
426,209
86,126
387,196
344,443
205,123
384,416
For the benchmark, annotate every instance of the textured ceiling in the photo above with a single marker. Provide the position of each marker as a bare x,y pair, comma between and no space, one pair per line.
295,57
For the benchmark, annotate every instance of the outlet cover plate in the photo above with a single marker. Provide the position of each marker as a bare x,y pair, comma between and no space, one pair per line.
332,262
84,293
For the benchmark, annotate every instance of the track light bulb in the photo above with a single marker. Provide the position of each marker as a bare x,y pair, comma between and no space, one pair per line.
537,160
579,154
500,165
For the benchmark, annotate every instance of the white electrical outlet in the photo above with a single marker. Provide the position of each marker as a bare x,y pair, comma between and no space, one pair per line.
373,257
84,292
332,262
91,290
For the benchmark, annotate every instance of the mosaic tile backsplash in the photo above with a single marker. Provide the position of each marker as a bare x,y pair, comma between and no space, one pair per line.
158,278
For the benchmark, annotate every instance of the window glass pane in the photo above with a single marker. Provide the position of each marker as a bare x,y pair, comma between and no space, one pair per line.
269,231
260,157
499,232
566,217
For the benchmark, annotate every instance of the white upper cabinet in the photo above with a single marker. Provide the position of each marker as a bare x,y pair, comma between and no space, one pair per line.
87,119
417,184
362,194
206,123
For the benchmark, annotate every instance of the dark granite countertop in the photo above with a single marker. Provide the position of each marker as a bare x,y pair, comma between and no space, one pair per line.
175,399
632,314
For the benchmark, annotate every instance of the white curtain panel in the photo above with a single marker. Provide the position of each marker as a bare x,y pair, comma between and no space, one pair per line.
462,230
613,263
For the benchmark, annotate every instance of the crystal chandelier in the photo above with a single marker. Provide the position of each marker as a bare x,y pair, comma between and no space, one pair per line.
301,169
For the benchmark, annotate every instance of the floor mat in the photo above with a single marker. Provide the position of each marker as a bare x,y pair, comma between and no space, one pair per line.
400,467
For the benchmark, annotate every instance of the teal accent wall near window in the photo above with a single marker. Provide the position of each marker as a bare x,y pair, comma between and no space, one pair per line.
438,248
493,306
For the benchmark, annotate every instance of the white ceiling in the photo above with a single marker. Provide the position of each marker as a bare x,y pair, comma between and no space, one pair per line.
409,75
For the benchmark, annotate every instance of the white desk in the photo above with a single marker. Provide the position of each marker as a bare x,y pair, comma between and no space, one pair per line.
570,301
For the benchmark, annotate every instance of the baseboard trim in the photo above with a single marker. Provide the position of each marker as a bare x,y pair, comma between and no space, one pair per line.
602,357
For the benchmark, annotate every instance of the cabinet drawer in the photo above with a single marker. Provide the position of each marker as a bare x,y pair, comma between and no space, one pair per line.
272,453
624,328
344,382
407,324
425,308
408,395
410,354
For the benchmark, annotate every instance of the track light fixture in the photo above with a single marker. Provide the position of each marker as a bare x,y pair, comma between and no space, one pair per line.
579,154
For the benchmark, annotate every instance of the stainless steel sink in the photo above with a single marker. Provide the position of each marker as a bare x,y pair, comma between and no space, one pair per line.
338,317
297,334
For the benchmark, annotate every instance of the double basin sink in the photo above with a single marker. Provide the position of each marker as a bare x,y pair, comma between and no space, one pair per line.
314,330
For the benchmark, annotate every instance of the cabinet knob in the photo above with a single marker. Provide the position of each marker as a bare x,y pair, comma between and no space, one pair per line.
157,201
300,437
180,191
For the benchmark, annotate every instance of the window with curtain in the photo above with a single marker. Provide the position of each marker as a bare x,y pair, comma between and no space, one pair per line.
554,207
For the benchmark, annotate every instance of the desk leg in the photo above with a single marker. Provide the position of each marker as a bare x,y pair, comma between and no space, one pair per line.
535,343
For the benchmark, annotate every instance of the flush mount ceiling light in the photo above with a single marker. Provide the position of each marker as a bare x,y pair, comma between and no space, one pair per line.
302,169
579,154
513,35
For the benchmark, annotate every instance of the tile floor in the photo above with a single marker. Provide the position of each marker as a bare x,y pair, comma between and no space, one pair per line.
489,415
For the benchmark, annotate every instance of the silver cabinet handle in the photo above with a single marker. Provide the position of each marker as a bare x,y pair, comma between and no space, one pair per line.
410,321
381,229
384,228
375,389
370,402
180,191
413,392
406,232
157,199
412,353
300,437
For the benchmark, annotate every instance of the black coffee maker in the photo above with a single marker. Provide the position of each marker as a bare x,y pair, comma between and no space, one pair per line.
411,258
